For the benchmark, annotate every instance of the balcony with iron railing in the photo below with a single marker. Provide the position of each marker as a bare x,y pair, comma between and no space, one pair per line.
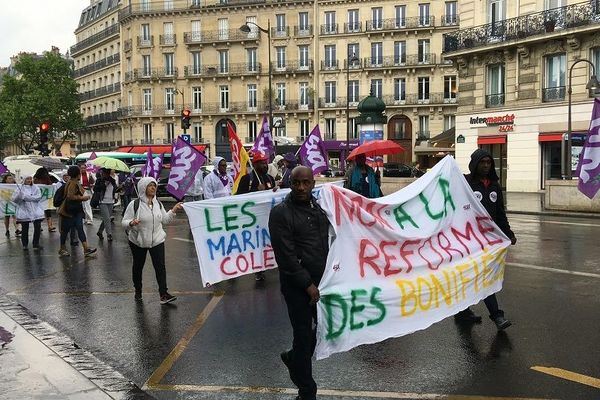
392,24
423,135
205,71
205,108
102,91
333,102
223,35
419,99
168,40
103,118
553,94
330,65
145,41
329,29
303,31
142,74
411,60
450,20
111,31
539,26
293,67
494,100
280,32
352,27
105,62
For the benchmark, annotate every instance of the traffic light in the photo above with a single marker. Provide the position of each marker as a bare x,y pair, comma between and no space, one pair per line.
43,146
185,118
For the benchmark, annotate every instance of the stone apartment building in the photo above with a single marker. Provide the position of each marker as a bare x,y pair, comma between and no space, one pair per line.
514,58
192,53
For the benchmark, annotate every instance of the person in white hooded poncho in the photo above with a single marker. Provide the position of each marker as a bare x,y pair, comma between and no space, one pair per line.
146,234
27,197
218,183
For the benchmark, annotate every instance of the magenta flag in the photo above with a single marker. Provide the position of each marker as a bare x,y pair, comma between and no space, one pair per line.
157,164
264,140
148,169
313,153
185,162
588,169
3,169
89,167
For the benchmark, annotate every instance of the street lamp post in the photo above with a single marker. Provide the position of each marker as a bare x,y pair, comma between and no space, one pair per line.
566,148
246,28
351,60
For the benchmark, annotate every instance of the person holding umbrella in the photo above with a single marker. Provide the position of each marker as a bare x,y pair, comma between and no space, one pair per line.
362,179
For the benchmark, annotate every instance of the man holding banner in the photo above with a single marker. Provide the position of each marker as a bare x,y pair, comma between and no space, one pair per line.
483,179
299,232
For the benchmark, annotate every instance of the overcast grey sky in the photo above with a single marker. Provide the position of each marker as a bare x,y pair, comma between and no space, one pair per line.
37,25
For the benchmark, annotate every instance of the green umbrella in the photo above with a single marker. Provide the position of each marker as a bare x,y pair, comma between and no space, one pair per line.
110,163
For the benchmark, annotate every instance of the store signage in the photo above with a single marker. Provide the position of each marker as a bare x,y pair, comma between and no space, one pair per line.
505,123
460,139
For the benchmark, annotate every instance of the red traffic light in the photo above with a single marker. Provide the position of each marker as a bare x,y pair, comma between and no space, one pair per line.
186,113
44,127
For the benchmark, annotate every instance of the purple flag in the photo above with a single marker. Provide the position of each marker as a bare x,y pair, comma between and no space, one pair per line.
157,164
264,140
313,153
89,167
588,169
148,169
3,169
185,162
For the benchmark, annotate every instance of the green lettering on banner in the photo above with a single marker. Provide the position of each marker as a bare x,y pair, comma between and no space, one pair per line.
329,300
445,187
208,226
249,214
379,305
401,216
46,193
354,308
229,218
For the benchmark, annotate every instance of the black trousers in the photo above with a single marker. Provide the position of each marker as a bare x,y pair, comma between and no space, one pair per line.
37,231
157,254
491,302
70,226
302,315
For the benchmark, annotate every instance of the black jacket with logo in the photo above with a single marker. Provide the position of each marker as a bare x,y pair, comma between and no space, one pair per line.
491,196
300,239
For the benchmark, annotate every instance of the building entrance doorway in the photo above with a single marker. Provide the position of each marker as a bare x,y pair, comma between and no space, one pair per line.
222,147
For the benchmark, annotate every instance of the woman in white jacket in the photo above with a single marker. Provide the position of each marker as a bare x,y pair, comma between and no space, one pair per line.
143,219
218,183
27,197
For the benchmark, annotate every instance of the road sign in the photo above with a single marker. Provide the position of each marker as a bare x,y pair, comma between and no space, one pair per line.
187,138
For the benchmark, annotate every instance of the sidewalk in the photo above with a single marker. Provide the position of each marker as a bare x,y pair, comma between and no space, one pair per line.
30,370
533,203
39,362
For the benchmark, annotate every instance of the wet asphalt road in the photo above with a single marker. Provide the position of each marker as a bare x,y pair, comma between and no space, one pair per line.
227,339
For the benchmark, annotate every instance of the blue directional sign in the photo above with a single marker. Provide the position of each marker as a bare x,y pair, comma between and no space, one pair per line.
187,138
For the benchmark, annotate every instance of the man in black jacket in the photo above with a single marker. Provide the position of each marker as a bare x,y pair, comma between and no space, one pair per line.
483,179
299,236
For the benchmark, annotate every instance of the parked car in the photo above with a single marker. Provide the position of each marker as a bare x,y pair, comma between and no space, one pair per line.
398,170
332,172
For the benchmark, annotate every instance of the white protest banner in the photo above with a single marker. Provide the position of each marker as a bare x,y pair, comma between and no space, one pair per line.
400,263
6,192
231,234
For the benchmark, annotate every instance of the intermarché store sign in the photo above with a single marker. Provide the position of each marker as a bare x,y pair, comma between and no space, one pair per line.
504,123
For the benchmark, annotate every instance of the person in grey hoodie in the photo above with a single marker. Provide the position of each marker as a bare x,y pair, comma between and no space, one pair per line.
143,220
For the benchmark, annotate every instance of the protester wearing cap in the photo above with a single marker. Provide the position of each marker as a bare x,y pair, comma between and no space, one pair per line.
258,179
218,183
289,163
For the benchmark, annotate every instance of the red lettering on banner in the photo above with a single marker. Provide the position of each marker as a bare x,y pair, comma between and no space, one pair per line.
448,246
225,261
268,258
405,253
363,258
466,235
429,263
484,230
387,271
353,207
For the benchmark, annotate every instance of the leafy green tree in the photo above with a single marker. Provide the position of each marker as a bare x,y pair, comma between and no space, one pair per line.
42,90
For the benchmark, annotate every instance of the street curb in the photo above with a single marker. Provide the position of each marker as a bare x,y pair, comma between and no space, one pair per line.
113,383
568,214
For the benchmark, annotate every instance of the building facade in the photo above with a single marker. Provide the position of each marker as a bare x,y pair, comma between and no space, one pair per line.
514,59
97,68
326,56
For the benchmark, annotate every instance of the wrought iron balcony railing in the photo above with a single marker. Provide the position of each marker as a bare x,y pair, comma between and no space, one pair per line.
450,20
494,100
102,91
103,118
330,65
418,99
400,23
523,27
168,40
303,31
553,94
157,7
293,66
352,27
329,29
95,38
105,62
191,71
400,60
280,32
222,35
159,110
145,41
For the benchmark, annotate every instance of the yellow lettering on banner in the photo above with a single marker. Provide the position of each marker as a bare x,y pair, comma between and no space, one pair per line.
407,297
427,292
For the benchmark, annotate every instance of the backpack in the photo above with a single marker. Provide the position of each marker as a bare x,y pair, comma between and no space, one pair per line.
59,196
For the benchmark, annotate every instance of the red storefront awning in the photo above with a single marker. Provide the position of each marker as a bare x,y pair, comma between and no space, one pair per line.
156,149
550,137
491,139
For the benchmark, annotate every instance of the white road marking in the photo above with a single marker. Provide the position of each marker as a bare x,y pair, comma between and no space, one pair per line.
555,270
183,240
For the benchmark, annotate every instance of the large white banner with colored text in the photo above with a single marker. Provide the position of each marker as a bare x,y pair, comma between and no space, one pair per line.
402,262
231,234
10,208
